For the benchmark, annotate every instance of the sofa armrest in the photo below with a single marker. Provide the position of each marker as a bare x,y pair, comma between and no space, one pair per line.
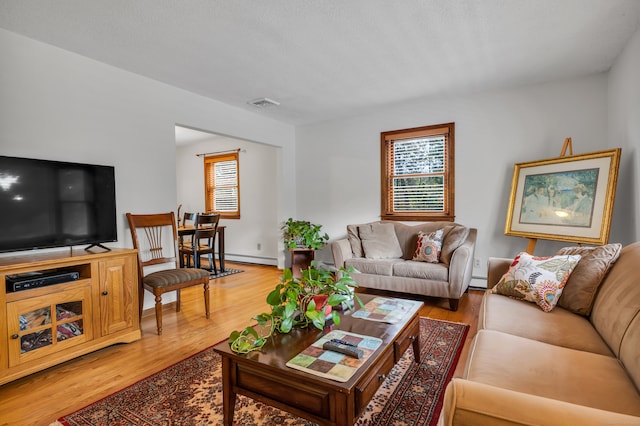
341,251
461,265
472,403
496,268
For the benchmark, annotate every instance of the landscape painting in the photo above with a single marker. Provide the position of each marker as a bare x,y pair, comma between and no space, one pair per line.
566,198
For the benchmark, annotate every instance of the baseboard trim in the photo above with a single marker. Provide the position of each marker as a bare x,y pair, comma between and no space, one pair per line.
151,312
258,260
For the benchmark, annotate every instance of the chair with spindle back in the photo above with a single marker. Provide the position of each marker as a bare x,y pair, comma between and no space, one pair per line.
155,238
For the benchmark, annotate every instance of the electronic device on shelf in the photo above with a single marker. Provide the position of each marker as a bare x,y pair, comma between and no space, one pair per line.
29,280
55,204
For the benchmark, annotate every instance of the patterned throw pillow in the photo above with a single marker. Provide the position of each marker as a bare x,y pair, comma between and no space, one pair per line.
428,247
537,279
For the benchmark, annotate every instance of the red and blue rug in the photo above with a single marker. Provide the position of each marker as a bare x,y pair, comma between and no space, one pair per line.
190,392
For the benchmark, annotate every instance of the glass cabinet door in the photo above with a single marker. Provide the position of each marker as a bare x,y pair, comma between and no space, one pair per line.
35,329
48,323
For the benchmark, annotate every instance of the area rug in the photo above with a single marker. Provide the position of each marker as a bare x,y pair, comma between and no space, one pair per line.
190,392
227,271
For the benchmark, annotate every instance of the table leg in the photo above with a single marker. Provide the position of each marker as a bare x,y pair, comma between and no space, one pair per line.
228,395
221,248
416,347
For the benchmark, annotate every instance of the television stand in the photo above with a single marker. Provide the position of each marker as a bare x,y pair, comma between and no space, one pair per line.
88,248
43,326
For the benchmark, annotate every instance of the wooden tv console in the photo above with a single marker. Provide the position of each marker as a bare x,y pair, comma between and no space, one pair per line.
44,326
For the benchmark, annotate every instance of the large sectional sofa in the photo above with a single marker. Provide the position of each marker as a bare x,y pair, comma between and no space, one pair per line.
578,364
382,252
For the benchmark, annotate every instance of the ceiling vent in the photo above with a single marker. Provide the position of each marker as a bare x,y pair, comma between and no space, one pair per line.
263,103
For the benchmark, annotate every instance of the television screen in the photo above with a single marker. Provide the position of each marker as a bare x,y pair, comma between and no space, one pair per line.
53,204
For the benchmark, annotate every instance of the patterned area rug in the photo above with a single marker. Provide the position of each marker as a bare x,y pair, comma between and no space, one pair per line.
190,392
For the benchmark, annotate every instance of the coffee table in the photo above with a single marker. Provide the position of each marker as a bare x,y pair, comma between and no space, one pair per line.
263,375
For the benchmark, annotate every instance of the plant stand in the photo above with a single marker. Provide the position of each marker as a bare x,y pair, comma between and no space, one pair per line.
301,259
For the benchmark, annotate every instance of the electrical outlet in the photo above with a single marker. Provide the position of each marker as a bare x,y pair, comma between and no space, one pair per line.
259,246
476,262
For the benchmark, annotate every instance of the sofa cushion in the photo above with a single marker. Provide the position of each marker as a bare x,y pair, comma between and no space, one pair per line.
379,241
408,235
559,327
373,266
354,240
537,279
428,247
617,304
616,310
423,270
581,288
537,368
453,238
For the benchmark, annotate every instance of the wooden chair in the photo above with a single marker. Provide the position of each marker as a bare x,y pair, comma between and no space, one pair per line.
155,238
188,219
203,242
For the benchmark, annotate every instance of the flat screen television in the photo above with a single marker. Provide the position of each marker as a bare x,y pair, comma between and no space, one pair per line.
46,204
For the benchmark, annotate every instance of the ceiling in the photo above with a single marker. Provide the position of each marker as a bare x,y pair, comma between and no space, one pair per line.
329,59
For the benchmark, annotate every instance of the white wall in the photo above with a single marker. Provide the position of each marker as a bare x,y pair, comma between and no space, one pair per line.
339,161
58,105
62,106
624,131
258,196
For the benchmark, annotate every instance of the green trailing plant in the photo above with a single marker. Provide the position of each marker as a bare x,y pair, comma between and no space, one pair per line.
303,234
293,304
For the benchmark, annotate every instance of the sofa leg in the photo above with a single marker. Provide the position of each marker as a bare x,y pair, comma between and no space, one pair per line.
453,304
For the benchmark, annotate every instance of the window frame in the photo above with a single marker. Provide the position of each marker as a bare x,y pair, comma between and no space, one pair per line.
386,195
209,190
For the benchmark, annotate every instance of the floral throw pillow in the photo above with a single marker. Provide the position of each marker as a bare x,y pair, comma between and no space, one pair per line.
428,247
537,279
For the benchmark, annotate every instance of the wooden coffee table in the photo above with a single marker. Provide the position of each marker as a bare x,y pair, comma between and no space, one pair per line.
263,375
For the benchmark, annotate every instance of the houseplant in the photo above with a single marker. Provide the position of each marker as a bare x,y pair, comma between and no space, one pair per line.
294,303
303,234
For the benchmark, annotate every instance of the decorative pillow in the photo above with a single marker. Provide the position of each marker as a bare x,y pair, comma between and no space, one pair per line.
580,291
428,247
354,240
379,241
453,238
537,279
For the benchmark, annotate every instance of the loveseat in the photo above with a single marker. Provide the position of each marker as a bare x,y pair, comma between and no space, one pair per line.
578,364
382,252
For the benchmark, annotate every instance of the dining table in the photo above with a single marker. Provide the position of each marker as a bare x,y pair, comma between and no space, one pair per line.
191,230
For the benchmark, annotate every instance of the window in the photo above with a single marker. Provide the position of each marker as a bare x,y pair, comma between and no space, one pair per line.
417,173
222,185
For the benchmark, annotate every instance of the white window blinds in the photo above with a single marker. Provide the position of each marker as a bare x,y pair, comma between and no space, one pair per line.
417,173
222,189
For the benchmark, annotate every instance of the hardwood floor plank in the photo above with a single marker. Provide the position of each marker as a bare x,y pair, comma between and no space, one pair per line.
41,398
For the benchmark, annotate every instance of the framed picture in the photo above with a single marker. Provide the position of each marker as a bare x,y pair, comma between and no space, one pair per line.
565,198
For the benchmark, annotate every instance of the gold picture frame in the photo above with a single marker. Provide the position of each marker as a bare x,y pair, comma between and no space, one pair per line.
564,199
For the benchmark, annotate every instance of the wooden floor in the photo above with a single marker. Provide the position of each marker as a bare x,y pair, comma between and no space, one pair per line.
43,397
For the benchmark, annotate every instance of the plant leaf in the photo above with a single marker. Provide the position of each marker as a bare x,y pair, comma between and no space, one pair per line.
273,298
286,325
287,274
336,299
252,331
335,316
289,309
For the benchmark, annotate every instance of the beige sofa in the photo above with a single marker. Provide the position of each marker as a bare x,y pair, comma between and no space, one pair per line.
394,270
529,367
